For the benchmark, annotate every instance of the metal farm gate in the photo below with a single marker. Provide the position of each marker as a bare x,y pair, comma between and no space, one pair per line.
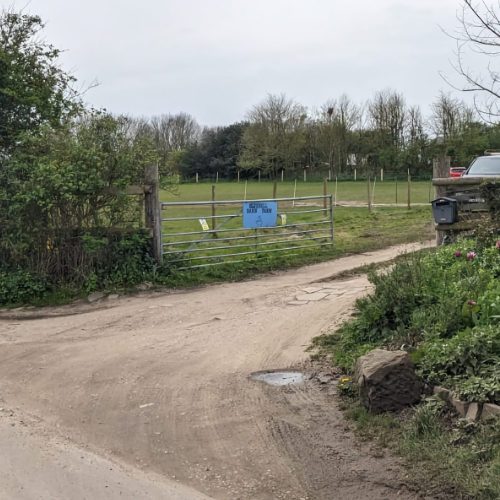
242,229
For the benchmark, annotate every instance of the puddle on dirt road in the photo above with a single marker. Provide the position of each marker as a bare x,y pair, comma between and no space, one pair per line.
280,378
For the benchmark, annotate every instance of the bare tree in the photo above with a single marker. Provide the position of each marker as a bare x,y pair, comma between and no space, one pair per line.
338,118
415,125
479,31
174,132
388,116
450,116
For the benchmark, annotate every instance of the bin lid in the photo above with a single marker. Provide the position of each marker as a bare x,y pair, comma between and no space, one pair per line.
444,198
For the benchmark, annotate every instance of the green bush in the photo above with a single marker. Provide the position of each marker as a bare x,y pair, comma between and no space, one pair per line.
20,285
445,305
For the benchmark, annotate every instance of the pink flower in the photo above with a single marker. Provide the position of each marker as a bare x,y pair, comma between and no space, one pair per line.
458,254
471,255
471,303
498,245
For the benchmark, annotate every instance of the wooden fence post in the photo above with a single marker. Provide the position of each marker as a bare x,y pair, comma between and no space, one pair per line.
381,175
305,175
282,175
354,175
238,176
152,208
324,194
214,223
259,175
441,170
369,197
409,190
196,177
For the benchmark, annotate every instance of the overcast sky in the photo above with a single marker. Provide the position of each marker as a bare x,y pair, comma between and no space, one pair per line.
215,58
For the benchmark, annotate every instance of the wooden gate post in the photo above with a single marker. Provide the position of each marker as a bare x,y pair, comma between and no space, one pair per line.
409,190
325,190
368,188
214,223
152,208
441,170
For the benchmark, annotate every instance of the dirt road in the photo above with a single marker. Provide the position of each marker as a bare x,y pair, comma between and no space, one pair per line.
150,396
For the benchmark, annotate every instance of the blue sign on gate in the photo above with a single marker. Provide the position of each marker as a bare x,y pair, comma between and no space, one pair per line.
259,214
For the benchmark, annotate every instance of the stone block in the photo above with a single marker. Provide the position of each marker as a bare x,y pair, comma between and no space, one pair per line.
95,296
490,410
387,380
442,393
462,407
473,412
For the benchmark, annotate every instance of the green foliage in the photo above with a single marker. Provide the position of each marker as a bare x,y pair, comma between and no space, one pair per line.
447,307
34,90
19,285
62,190
347,389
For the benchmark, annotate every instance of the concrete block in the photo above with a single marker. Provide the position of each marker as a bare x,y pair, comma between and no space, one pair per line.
490,410
461,406
95,296
442,393
473,412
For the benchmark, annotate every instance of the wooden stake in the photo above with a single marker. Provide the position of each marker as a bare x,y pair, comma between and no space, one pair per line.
381,175
197,177
282,175
238,176
217,177
369,197
152,208
325,190
213,212
305,175
409,190
259,175
355,175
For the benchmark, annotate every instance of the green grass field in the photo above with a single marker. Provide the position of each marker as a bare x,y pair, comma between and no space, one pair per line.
385,192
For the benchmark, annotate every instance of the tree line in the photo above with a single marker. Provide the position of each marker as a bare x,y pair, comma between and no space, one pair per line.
279,134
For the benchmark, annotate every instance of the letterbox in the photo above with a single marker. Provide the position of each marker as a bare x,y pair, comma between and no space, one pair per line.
445,210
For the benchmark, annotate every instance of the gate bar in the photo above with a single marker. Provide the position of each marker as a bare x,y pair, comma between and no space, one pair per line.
243,237
243,229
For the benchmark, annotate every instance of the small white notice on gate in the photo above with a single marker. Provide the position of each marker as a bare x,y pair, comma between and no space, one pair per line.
283,219
204,224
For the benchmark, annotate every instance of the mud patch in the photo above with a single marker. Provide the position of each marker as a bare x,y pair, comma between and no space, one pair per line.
279,378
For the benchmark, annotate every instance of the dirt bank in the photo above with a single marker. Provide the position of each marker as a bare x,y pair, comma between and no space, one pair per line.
159,385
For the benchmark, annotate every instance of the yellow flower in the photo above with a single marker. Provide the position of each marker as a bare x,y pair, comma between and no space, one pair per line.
345,380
